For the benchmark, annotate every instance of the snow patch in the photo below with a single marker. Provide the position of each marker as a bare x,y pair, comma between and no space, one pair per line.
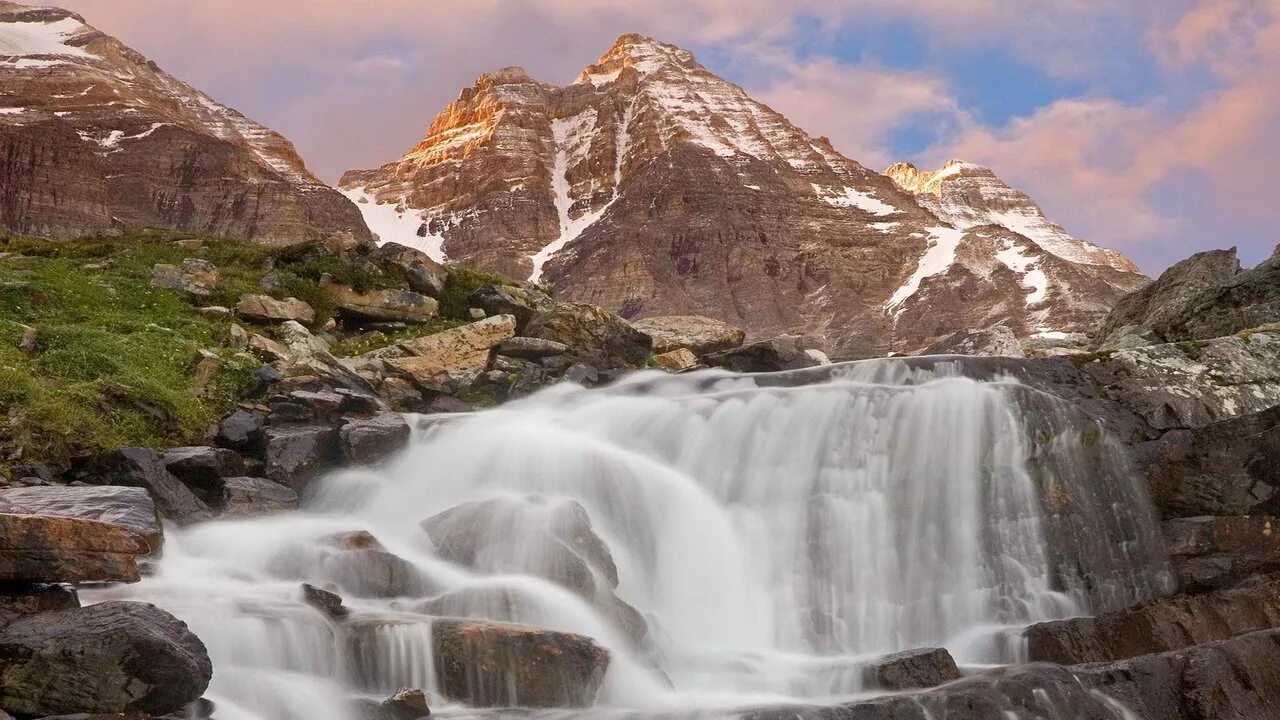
1033,278
12,110
25,63
41,38
883,227
939,256
852,197
393,222
598,79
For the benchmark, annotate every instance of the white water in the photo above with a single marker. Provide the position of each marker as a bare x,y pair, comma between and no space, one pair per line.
776,532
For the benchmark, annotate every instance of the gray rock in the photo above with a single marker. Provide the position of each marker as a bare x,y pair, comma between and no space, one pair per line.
113,657
370,440
922,668
994,340
266,309
241,430
295,455
521,303
194,277
199,467
361,566
130,508
589,330
780,353
21,600
1129,336
695,333
329,603
1159,304
140,467
528,348
423,274
252,496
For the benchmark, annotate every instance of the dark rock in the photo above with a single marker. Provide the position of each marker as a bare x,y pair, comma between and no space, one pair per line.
780,353
913,669
250,496
127,507
329,603
44,472
447,404
1213,552
19,600
423,274
112,657
200,467
407,704
358,403
297,454
1249,300
1157,626
590,330
581,374
1159,305
241,430
487,664
140,467
39,548
509,300
370,440
529,348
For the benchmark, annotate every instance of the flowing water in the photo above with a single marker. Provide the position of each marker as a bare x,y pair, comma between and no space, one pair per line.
775,533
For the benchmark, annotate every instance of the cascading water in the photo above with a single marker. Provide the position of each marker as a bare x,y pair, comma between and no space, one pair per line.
775,533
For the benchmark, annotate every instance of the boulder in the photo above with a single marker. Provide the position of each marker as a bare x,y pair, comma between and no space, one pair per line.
20,600
200,467
1213,552
520,303
423,274
268,350
204,367
488,664
41,548
130,508
407,704
266,309
781,353
1249,300
451,360
194,277
113,657
298,341
140,467
242,430
296,454
676,360
329,603
1157,626
361,566
1129,336
252,496
370,440
593,331
528,348
695,333
1159,305
380,305
995,340
922,668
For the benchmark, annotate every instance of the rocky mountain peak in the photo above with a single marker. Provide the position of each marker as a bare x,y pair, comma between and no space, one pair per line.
644,54
912,179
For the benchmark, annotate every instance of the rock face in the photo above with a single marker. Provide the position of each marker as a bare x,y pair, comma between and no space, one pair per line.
1159,305
524,666
113,657
38,548
1213,552
453,358
651,187
995,340
93,137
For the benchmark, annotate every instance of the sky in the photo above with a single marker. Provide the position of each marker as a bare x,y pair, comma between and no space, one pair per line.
1151,126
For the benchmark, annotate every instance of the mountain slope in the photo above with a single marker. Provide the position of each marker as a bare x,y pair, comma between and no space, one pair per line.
93,136
650,186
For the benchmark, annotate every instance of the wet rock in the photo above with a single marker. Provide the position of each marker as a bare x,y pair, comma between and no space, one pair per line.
1214,552
140,467
380,305
695,333
362,567
266,309
423,274
407,704
528,348
1158,626
676,360
780,353
922,668
1223,468
252,496
370,440
401,395
487,664
241,430
594,331
38,548
329,603
112,657
194,277
451,360
21,599
199,467
995,340
129,508
296,454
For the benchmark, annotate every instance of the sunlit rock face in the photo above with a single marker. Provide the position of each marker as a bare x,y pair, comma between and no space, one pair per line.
680,546
95,137
651,187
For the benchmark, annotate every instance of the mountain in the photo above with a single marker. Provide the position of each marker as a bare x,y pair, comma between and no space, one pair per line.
652,187
93,136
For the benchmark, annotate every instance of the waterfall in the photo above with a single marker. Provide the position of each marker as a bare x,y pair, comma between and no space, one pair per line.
774,532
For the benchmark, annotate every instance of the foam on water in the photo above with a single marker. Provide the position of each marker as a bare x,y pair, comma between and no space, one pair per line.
776,532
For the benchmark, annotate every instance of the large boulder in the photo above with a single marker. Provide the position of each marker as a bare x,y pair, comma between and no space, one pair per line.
592,331
1213,552
127,507
370,440
1159,305
921,668
296,454
451,360
266,309
995,340
1248,300
520,303
200,467
241,430
252,496
695,333
785,352
40,548
22,599
140,467
359,564
194,277
488,664
380,305
1157,626
114,657
423,274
